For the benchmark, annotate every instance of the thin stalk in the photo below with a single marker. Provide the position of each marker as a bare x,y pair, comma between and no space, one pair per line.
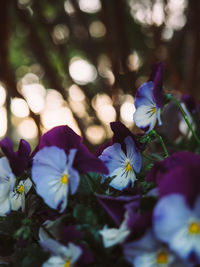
162,143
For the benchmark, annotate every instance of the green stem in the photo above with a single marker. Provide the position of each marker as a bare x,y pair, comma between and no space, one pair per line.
186,119
162,143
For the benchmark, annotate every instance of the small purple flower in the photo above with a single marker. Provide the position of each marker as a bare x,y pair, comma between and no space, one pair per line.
65,138
122,166
149,101
18,160
178,225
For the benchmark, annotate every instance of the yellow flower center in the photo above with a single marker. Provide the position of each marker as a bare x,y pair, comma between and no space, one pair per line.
128,167
162,258
64,179
154,110
20,189
194,228
67,264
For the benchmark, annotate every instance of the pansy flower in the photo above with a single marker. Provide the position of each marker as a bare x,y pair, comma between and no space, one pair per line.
178,225
149,101
122,166
7,181
61,256
54,176
18,194
149,252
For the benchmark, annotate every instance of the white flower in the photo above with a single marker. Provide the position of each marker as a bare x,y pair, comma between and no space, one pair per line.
178,225
61,256
122,166
147,112
7,181
149,252
18,194
54,176
114,236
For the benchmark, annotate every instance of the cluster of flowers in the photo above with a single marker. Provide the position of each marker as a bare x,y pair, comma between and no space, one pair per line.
61,195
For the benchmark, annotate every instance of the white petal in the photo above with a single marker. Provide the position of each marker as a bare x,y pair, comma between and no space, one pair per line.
27,185
144,117
54,261
16,201
170,216
145,95
113,157
133,154
122,179
114,236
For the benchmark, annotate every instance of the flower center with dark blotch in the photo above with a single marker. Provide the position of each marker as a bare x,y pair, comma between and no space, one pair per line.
128,167
162,258
194,228
20,190
64,179
154,110
68,263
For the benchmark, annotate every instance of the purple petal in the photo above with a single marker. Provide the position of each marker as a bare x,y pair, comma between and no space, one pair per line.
70,234
116,206
18,160
189,101
64,137
139,223
61,136
86,257
178,173
158,85
86,162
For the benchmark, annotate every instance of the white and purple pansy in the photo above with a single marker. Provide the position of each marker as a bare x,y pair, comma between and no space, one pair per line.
149,101
178,225
122,166
54,176
61,256
149,252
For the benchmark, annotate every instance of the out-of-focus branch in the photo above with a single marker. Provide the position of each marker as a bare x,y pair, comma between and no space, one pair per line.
6,74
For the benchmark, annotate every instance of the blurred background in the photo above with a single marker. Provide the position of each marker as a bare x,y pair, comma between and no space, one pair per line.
79,62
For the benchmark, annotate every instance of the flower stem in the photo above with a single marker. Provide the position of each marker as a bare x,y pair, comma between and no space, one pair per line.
185,118
161,141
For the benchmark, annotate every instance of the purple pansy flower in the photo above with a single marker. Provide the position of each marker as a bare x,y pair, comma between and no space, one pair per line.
178,173
18,160
122,166
149,101
178,224
65,138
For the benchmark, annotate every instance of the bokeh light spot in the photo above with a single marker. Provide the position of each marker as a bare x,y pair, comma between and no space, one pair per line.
82,72
19,107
